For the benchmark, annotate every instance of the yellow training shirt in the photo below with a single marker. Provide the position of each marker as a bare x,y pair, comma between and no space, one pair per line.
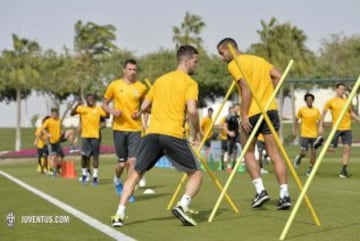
205,126
41,138
257,74
53,127
90,120
310,118
169,95
223,134
335,105
127,98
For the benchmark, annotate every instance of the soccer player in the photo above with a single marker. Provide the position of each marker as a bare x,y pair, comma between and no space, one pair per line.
90,115
170,95
231,127
223,140
335,105
204,127
126,94
40,142
262,76
52,129
309,117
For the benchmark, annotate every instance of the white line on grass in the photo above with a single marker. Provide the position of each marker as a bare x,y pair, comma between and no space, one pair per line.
77,213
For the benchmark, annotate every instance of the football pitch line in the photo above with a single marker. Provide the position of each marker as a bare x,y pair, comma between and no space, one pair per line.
106,229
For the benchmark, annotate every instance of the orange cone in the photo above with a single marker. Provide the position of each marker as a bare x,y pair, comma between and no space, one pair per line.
69,171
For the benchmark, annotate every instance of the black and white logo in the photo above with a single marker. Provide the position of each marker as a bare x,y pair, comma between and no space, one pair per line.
10,219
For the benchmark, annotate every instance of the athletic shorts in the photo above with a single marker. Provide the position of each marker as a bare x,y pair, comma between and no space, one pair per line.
305,142
260,145
231,144
224,145
55,149
207,144
126,144
42,152
90,147
264,128
178,151
346,138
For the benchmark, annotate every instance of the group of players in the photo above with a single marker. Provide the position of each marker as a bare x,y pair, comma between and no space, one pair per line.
172,100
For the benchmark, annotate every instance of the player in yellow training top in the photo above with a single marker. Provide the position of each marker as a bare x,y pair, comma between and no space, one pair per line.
171,96
204,127
335,105
126,94
52,129
40,142
90,116
262,76
309,116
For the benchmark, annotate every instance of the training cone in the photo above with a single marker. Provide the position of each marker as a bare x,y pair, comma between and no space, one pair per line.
68,169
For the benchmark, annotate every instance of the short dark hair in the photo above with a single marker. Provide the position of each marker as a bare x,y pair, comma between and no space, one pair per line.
129,61
185,51
309,95
227,41
210,109
90,94
339,84
54,110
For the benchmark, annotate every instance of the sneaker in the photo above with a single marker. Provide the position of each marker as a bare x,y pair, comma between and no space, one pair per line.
142,182
260,199
117,221
263,171
83,179
284,203
183,216
131,199
309,171
297,161
318,142
95,181
119,188
344,174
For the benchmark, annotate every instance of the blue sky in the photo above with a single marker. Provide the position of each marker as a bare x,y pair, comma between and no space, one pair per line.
146,26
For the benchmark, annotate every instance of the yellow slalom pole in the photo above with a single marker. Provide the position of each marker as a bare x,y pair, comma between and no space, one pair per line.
278,142
147,81
247,145
318,161
197,151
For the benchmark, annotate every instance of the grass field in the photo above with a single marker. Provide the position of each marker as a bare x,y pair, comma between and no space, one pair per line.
335,200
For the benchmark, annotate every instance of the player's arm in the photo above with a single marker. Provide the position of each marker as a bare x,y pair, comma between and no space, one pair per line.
245,105
193,117
73,111
275,75
354,116
321,123
106,106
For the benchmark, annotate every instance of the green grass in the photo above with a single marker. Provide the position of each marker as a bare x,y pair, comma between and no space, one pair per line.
335,201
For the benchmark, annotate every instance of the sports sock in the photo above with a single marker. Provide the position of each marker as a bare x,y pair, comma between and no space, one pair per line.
284,190
185,201
95,172
258,183
121,211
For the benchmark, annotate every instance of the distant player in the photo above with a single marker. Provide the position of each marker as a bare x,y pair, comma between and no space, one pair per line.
309,116
40,142
204,127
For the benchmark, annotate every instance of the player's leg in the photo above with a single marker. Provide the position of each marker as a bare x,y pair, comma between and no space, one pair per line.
346,139
304,144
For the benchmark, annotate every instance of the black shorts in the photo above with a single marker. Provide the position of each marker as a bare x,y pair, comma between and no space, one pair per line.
224,145
305,142
126,144
231,144
55,149
43,152
178,151
207,144
260,145
346,138
90,147
264,128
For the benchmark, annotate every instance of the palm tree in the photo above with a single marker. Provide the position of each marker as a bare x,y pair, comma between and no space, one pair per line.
189,31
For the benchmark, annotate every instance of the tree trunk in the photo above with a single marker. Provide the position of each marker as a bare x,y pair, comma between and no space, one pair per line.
293,112
281,112
18,120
